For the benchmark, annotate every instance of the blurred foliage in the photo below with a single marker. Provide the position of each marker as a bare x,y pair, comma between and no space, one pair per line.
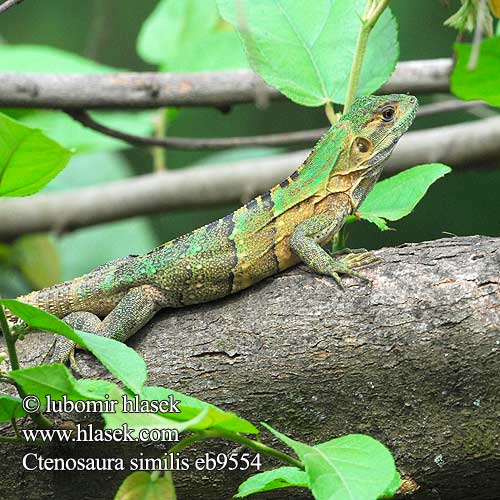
189,36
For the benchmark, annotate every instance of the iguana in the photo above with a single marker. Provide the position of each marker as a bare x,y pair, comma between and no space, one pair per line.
289,223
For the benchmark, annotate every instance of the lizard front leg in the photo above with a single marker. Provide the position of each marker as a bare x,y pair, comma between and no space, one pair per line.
133,311
306,241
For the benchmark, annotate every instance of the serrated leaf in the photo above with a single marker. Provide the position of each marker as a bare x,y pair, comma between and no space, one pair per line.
353,467
191,407
189,36
10,408
484,81
28,158
283,477
378,221
146,486
122,361
320,38
397,196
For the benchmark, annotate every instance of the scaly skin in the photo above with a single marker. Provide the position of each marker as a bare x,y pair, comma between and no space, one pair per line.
289,223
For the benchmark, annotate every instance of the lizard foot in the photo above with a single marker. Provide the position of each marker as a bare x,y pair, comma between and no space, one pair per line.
359,258
351,261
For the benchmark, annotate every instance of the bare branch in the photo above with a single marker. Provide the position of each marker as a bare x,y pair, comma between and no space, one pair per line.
456,145
8,4
153,90
280,139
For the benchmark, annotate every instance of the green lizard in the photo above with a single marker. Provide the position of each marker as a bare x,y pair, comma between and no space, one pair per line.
288,224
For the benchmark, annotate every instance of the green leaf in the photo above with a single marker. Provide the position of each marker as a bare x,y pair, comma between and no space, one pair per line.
28,158
353,467
37,257
122,361
54,380
214,418
40,59
138,421
396,197
189,36
10,408
320,38
271,480
146,486
484,81
393,487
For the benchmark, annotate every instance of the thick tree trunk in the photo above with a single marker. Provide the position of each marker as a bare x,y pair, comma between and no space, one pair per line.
412,359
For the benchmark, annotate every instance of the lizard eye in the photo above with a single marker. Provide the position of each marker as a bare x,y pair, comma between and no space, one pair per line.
388,114
362,144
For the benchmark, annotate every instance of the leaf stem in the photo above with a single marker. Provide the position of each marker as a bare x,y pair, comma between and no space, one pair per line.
373,10
330,113
477,37
234,436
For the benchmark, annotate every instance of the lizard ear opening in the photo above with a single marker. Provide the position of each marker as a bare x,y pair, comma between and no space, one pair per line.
361,146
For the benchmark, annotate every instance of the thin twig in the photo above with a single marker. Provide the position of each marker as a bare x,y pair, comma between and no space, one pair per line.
8,4
279,139
187,143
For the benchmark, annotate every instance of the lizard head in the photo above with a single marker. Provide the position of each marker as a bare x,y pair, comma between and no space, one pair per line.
376,123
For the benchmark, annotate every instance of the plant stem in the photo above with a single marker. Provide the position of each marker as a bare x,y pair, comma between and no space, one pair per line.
9,341
373,10
160,154
38,418
478,36
233,436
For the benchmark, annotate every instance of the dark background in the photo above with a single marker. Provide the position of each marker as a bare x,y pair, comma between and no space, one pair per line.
464,202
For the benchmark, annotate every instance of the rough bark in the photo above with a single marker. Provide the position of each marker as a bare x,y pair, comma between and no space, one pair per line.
412,360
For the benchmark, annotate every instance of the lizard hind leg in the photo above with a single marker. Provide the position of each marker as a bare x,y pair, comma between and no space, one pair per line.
131,313
64,349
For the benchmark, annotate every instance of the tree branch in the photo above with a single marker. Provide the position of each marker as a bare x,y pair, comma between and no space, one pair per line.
8,4
279,139
153,90
411,359
456,145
